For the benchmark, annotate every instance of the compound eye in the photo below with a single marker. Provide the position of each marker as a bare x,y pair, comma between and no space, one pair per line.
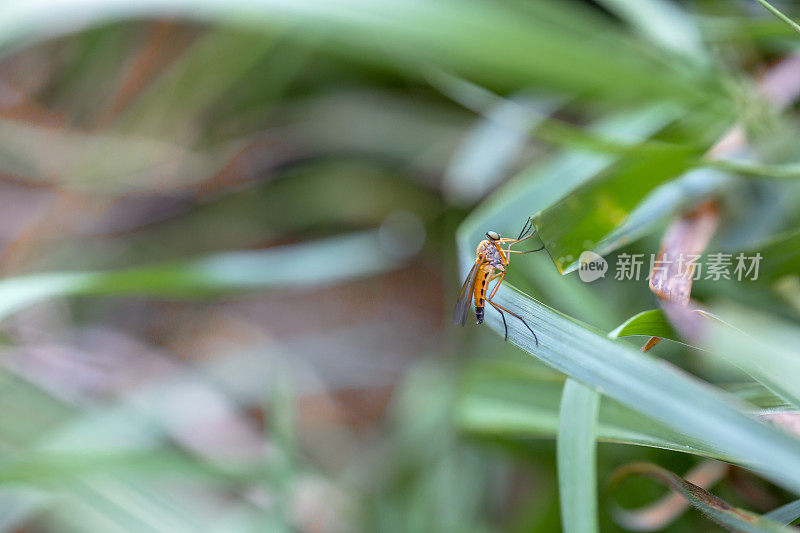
493,235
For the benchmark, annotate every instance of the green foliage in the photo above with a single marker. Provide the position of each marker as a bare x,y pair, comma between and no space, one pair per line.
308,150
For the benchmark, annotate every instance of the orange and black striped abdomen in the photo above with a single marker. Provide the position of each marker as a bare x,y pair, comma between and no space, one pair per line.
481,283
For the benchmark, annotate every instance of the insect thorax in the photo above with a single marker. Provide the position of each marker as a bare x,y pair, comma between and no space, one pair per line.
488,250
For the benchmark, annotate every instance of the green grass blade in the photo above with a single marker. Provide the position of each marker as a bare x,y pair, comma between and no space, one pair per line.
647,385
780,256
785,514
775,11
496,401
652,387
295,266
761,345
651,323
550,43
755,169
483,159
577,463
662,22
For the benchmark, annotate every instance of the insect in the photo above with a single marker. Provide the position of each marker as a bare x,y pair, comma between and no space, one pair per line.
490,264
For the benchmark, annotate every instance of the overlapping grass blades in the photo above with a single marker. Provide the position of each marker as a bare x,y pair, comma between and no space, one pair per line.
639,381
487,43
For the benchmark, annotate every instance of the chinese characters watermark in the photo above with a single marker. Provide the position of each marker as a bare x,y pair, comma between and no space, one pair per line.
717,266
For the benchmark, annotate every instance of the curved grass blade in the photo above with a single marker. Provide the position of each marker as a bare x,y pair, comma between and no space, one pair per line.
650,323
756,169
761,345
652,387
496,400
660,514
713,507
785,514
575,454
654,323
576,49
775,11
300,265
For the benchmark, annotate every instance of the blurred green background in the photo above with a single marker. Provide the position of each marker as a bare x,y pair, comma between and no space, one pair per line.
232,233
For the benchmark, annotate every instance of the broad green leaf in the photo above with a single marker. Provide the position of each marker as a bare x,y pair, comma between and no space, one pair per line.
575,454
550,180
570,136
295,266
582,220
547,128
619,208
713,507
669,200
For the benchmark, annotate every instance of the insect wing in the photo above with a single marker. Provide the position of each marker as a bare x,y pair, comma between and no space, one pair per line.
465,296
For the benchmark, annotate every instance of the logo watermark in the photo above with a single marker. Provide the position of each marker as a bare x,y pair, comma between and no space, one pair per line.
592,266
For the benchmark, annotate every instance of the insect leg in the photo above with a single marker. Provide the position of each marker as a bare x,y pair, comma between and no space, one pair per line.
499,307
501,275
539,249
505,326
526,228
506,240
506,252
528,236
